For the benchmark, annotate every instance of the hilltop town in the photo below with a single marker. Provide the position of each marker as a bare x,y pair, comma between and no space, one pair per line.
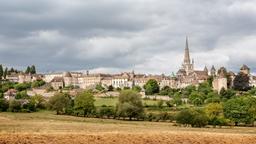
187,75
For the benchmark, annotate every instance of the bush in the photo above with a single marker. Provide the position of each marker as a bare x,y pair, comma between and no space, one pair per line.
195,118
130,105
106,112
160,103
15,106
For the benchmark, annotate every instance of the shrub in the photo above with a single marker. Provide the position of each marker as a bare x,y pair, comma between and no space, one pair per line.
106,112
195,118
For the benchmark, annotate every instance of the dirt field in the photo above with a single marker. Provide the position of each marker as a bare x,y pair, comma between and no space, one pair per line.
45,127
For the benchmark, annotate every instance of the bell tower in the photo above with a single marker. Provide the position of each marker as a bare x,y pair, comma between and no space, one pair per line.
187,65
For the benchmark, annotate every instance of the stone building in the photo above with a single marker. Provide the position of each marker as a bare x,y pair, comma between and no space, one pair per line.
187,75
220,81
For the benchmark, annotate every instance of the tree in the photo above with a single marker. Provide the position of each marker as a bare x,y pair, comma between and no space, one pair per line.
15,105
110,88
37,83
241,109
136,88
1,72
177,99
151,87
5,73
165,90
196,98
33,69
3,104
38,101
22,95
28,70
241,82
84,102
227,94
60,102
130,104
214,112
99,87
195,118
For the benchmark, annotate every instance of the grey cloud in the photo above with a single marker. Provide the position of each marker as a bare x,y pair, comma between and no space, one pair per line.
145,35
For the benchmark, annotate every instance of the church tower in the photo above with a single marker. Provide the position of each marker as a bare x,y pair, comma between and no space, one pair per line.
187,65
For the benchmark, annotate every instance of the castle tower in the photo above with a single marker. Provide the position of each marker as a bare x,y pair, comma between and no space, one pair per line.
245,69
187,65
206,70
213,71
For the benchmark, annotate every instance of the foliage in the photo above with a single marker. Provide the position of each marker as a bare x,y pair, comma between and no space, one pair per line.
241,82
38,101
165,90
151,87
197,98
227,94
15,105
3,105
195,118
110,88
22,86
130,104
28,70
33,69
37,83
99,87
186,92
84,102
160,103
177,99
214,112
22,95
241,109
1,72
60,102
136,88
5,73
106,112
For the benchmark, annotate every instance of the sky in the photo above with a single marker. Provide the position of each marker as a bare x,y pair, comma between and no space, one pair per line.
111,36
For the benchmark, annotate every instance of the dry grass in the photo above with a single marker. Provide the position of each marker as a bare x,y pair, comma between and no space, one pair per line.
45,127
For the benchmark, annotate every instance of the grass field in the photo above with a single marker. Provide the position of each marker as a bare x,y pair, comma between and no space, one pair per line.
46,127
113,101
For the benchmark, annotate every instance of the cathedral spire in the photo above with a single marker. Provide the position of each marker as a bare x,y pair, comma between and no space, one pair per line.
187,56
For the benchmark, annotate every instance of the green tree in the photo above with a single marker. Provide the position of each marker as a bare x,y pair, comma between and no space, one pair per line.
15,105
1,72
130,104
3,105
5,73
195,118
151,87
241,109
33,69
22,95
227,94
38,101
177,99
84,102
197,98
110,88
28,70
136,88
99,87
214,112
60,102
241,82
165,90
37,83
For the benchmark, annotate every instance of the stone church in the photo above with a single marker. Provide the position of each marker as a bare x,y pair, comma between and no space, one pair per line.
187,75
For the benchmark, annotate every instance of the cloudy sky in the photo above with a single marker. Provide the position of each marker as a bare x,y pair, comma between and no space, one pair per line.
147,36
